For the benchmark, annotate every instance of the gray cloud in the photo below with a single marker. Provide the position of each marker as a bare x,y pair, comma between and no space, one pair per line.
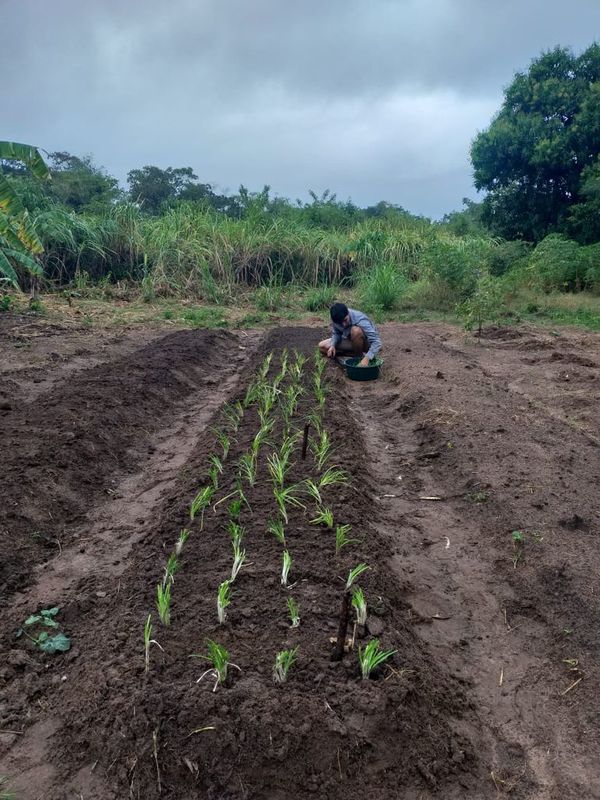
374,100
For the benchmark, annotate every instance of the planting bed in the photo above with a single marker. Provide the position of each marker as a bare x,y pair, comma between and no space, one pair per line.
455,448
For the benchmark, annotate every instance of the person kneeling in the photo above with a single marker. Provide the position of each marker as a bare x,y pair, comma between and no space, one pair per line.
352,333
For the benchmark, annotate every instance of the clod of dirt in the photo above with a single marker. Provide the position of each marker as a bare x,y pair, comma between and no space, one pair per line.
574,523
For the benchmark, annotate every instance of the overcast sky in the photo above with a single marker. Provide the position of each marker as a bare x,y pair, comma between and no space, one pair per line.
373,99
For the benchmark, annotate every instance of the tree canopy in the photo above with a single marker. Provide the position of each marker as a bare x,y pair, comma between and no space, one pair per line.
538,160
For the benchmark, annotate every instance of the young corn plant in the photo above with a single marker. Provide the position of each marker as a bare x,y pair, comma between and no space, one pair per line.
163,602
247,468
171,567
342,538
183,537
322,449
261,437
371,657
283,662
200,502
148,641
223,600
324,517
333,477
239,557
233,416
236,531
224,440
315,418
359,604
286,498
285,569
354,574
215,470
265,366
313,491
276,528
297,368
252,392
294,612
278,469
219,658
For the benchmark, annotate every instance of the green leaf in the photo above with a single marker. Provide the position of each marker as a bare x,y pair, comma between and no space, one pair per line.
42,638
28,155
50,622
56,644
50,612
32,619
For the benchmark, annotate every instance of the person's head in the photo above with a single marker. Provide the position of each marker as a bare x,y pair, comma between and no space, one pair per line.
339,312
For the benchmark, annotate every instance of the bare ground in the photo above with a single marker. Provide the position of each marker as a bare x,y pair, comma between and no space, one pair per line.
493,690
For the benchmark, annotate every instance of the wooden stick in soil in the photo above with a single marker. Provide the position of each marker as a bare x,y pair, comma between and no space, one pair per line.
305,441
338,652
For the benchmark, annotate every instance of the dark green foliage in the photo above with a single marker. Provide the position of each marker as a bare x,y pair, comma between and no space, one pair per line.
532,158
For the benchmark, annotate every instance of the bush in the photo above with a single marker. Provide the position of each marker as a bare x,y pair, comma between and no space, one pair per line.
382,287
484,304
456,265
557,263
319,297
269,298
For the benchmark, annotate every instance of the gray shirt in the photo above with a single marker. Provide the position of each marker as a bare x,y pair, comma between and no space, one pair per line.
339,332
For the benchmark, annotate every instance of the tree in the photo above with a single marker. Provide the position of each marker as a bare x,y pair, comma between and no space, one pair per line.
532,158
154,187
19,243
79,184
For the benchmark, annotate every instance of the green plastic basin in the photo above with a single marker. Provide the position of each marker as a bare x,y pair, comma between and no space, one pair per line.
356,373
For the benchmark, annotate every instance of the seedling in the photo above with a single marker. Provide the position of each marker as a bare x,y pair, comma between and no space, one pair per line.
297,368
251,395
216,463
171,568
55,643
223,600
285,569
236,531
341,537
371,657
183,537
294,612
518,540
275,526
247,468
163,602
233,415
224,440
239,556
332,477
313,490
354,574
261,437
283,661
264,368
324,517
286,498
321,449
278,469
359,604
235,508
219,658
148,640
5,792
200,502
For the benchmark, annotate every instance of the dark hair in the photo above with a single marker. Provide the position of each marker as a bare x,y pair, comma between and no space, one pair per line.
338,312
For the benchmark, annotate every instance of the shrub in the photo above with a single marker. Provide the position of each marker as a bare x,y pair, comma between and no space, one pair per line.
382,287
455,265
319,297
557,263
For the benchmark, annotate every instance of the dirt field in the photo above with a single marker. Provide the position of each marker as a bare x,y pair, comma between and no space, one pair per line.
493,689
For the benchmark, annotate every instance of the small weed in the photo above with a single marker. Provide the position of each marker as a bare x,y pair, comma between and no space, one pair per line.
479,497
35,629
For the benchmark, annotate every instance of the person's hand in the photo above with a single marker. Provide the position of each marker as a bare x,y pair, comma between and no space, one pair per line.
364,362
331,352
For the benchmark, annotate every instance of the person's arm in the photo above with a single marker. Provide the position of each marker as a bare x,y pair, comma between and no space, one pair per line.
373,338
336,336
